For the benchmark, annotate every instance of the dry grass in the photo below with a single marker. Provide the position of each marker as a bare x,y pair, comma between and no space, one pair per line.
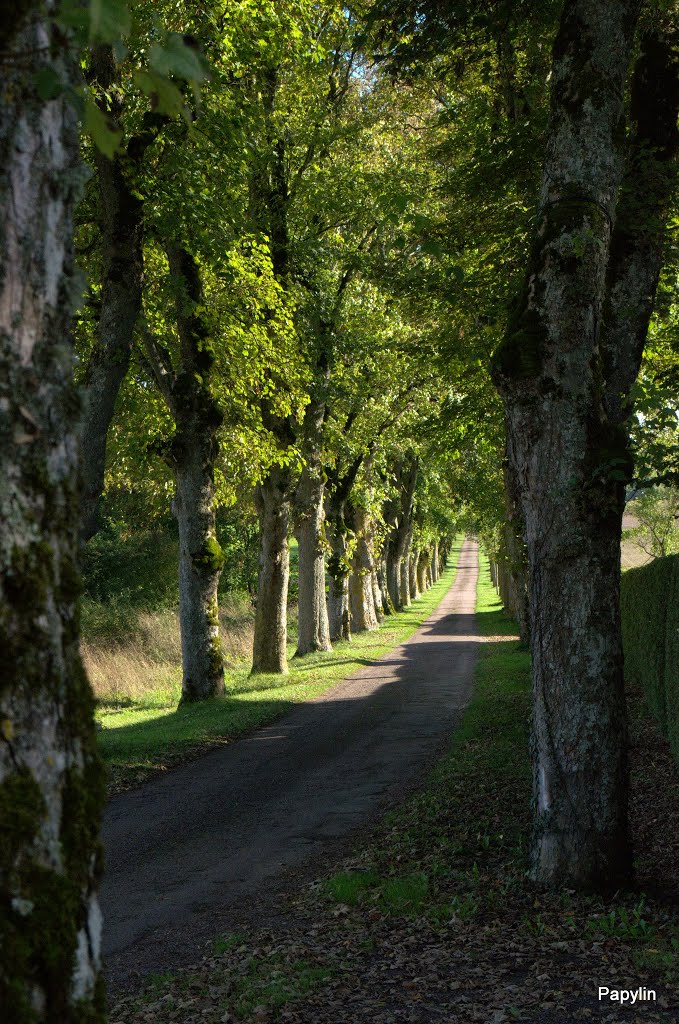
134,656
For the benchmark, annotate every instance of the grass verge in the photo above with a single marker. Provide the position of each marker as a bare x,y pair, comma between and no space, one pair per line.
151,733
432,918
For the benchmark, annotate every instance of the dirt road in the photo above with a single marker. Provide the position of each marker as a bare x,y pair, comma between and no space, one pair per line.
188,851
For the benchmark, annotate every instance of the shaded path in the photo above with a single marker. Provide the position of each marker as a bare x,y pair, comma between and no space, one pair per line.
188,849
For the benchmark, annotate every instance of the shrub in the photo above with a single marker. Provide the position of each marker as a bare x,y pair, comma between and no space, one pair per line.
650,633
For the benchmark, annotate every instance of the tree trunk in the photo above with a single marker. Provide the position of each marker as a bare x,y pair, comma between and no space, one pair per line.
271,623
193,454
122,243
435,562
399,516
361,598
386,604
314,631
51,782
422,571
567,457
200,567
378,600
338,585
515,550
393,573
313,626
412,573
338,567
404,582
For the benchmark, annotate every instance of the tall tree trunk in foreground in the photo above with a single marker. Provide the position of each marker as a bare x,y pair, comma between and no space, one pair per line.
51,781
194,453
271,617
313,627
571,459
120,302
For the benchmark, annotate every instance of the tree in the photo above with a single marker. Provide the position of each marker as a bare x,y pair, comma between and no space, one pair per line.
186,384
121,226
565,370
657,515
51,782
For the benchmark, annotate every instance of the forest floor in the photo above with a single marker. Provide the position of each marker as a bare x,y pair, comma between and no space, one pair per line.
430,918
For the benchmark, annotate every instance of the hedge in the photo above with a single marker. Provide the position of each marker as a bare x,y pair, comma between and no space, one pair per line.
650,635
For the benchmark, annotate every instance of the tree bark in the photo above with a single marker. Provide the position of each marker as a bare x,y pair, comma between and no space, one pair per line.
122,243
562,448
422,571
338,568
194,453
313,625
386,604
515,551
412,574
404,581
271,623
399,516
51,781
361,598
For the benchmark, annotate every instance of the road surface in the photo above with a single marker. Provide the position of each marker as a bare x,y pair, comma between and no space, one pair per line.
186,852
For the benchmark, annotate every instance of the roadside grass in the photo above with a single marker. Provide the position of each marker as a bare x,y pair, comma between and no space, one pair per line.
143,735
456,853
437,854
439,893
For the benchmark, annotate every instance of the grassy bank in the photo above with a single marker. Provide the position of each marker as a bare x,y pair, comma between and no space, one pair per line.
432,918
146,732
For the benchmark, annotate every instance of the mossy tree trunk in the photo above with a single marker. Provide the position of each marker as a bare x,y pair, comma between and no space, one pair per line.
271,617
51,781
186,384
556,371
194,452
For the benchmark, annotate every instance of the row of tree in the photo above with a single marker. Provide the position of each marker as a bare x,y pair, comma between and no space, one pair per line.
247,325
302,231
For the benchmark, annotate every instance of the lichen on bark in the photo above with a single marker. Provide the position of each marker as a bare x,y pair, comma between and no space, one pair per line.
51,790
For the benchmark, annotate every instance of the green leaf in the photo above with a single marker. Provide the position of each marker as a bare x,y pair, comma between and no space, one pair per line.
48,84
165,97
431,248
109,20
176,58
101,129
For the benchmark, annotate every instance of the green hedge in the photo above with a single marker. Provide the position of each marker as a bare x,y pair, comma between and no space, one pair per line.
650,635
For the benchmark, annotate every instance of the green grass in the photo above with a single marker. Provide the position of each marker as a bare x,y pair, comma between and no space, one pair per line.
272,983
430,857
153,733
